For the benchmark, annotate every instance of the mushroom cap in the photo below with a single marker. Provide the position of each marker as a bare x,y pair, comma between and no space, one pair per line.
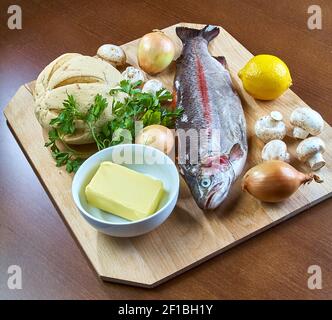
267,128
133,74
275,150
152,86
276,115
309,147
307,119
112,54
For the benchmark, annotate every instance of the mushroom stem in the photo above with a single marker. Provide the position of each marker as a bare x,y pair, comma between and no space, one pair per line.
300,133
316,161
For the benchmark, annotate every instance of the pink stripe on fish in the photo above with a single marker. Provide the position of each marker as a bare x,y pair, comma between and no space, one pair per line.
203,88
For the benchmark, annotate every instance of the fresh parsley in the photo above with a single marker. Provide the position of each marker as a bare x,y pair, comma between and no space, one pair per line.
135,106
69,157
93,114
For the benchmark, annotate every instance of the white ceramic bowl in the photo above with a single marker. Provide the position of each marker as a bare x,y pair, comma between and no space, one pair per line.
141,158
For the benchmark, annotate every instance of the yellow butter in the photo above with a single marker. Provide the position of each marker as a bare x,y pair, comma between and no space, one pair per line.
124,192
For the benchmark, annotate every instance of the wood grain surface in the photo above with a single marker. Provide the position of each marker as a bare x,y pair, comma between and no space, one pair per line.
274,265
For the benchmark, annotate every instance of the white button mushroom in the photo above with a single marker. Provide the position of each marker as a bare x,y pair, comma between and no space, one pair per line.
275,150
310,150
152,86
306,121
133,75
270,127
112,54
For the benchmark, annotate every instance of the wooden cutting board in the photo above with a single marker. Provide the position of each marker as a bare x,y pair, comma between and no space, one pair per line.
189,236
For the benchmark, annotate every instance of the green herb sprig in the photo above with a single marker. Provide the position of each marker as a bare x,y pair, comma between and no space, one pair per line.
64,124
136,106
68,158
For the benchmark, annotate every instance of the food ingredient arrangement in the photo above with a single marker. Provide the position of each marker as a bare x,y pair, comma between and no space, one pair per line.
178,225
82,100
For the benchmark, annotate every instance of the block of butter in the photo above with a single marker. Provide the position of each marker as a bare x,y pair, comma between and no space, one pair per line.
124,192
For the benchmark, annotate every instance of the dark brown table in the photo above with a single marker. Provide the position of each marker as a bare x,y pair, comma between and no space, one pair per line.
272,265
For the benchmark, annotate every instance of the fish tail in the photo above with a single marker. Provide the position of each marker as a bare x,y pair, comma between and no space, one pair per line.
209,32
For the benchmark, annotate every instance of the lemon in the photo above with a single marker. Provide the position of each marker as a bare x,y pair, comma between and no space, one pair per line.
265,77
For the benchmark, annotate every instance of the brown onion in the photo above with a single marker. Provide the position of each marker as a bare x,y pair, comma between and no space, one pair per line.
157,136
274,180
155,52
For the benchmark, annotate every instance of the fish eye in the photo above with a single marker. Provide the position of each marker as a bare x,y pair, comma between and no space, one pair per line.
205,182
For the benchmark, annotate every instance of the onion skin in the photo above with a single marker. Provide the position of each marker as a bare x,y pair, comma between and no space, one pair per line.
275,181
155,52
157,136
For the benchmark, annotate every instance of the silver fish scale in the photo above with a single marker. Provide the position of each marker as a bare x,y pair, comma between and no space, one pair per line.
225,105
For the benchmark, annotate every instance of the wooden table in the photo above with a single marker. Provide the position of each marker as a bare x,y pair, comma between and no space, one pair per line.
272,265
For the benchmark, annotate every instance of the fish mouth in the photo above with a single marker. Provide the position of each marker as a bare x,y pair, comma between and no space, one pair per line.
215,198
208,201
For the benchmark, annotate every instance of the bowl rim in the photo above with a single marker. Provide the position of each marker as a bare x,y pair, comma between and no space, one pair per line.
75,195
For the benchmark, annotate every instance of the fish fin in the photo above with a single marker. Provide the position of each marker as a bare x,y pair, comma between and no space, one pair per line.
185,33
222,60
236,153
181,171
223,160
173,103
218,161
179,59
209,32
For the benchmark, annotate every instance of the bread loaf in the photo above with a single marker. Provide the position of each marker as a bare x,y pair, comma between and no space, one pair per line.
81,76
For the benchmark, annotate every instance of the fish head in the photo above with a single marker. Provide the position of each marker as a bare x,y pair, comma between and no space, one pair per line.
210,181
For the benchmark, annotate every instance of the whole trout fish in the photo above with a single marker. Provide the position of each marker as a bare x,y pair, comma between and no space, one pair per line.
212,130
